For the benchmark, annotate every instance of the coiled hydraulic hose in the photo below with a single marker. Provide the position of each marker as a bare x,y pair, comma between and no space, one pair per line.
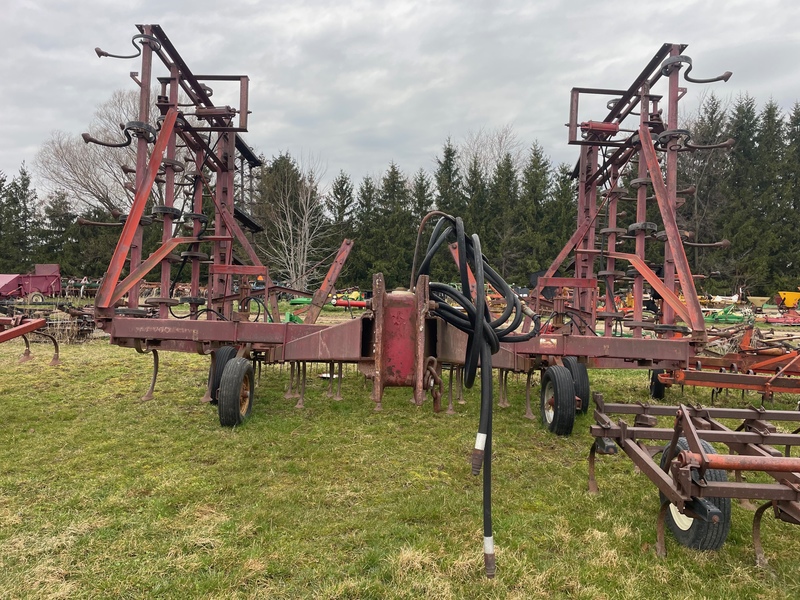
485,334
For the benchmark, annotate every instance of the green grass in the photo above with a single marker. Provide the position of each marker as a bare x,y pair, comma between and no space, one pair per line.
104,496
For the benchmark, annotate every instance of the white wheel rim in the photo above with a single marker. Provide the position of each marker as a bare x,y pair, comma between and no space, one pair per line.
681,521
549,412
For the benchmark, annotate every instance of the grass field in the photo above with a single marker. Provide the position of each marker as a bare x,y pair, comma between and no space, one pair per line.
104,496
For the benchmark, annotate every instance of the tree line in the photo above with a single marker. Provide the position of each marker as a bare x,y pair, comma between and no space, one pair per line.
749,195
521,205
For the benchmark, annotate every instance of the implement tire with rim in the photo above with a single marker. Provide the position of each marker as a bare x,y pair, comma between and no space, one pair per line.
558,400
697,533
222,356
235,393
580,378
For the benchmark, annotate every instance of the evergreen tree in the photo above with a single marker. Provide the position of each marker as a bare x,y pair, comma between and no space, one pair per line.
558,213
87,250
360,262
769,201
745,265
534,190
476,193
504,227
449,192
706,171
17,202
421,195
790,274
395,229
340,204
53,236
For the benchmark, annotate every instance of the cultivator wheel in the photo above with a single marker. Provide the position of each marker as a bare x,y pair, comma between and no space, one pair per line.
580,378
558,400
222,356
235,392
697,533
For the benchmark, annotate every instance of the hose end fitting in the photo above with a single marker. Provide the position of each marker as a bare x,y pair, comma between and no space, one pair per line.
477,461
490,564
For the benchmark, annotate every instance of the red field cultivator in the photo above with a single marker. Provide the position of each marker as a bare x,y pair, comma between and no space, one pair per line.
692,478
406,338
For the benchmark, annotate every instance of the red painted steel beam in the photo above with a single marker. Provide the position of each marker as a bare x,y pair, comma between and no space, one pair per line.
238,270
226,332
770,363
144,268
573,282
321,295
26,326
695,312
104,294
338,343
655,281
664,434
736,381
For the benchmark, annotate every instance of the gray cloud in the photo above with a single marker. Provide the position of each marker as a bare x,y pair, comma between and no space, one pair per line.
361,84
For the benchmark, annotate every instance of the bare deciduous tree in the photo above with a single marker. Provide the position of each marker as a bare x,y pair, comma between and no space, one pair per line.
489,148
293,207
95,176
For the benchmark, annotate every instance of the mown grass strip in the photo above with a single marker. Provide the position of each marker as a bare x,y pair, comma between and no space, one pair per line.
102,495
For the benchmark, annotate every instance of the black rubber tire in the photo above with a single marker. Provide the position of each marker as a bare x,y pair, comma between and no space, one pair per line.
657,389
557,406
36,298
236,392
580,378
223,355
696,533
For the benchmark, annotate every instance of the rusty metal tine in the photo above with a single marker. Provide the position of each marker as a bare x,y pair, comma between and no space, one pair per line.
338,395
528,411
151,389
593,489
288,393
302,384
55,360
761,559
450,384
26,354
460,385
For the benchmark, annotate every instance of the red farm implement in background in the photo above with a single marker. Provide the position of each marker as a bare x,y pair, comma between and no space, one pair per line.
34,287
44,281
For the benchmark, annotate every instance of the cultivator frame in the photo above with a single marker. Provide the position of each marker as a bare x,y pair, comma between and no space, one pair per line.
571,332
681,477
398,342
600,191
382,342
612,152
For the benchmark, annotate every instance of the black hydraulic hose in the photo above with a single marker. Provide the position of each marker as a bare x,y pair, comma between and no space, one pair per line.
484,337
489,561
267,316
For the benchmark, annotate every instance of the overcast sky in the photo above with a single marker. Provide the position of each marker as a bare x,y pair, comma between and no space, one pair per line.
361,84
